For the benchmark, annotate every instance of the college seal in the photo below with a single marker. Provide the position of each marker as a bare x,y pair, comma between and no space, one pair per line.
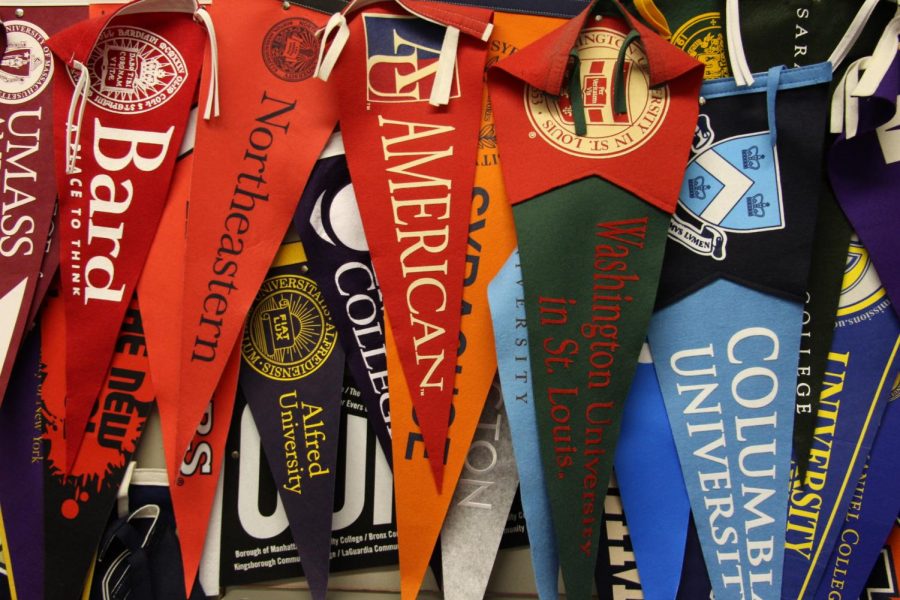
609,134
702,38
290,48
27,64
133,70
289,334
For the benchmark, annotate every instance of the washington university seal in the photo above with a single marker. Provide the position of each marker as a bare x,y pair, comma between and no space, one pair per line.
702,38
289,334
609,134
134,70
290,48
27,64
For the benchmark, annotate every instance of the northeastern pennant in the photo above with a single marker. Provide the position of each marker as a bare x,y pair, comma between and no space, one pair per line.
28,195
143,71
414,191
250,166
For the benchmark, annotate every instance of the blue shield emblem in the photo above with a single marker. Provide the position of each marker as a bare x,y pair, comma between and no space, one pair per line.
734,185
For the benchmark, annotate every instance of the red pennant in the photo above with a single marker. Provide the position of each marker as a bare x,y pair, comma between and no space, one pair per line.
29,187
534,112
195,483
143,72
414,187
250,166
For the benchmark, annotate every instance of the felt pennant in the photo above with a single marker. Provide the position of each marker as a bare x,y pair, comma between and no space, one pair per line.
741,236
577,329
201,466
478,512
647,462
163,272
801,34
291,375
871,514
49,267
694,26
616,574
256,541
859,377
21,474
507,301
884,581
694,581
864,167
134,74
29,186
256,156
328,223
77,501
421,508
734,447
417,184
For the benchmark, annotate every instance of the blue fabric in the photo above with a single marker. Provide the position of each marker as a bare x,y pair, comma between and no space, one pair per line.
728,387
507,302
646,463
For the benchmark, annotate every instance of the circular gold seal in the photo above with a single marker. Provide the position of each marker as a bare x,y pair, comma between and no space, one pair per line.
702,38
861,287
290,48
609,134
289,334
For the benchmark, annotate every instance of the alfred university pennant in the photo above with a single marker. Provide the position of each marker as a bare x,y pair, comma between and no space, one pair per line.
726,335
134,74
414,187
292,373
572,161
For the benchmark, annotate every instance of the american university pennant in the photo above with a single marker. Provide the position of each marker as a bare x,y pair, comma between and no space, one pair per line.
416,184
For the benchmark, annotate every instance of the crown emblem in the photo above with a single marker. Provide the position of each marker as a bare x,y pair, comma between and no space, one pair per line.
751,157
126,71
756,206
697,187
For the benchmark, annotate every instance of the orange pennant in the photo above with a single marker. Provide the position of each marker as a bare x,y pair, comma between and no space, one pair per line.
250,166
421,509
194,487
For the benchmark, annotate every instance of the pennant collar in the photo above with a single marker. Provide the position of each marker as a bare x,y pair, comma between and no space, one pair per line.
545,63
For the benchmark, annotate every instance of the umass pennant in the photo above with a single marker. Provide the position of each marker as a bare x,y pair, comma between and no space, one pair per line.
114,175
28,194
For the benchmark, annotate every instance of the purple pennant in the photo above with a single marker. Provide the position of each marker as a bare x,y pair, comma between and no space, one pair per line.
21,472
865,171
291,376
329,225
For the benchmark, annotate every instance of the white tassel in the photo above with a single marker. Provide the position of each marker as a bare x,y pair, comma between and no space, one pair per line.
73,124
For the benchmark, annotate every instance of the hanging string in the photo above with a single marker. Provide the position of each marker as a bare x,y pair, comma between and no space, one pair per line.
212,96
73,120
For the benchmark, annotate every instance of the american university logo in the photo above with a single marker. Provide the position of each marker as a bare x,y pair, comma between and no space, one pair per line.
609,134
402,58
731,186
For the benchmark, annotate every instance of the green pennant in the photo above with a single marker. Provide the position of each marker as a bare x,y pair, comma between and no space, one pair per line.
591,256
